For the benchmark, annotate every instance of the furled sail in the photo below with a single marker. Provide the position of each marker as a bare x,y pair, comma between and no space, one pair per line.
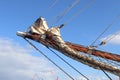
52,38
40,26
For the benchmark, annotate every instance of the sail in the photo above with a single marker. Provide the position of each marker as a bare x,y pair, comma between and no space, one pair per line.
54,40
66,50
40,26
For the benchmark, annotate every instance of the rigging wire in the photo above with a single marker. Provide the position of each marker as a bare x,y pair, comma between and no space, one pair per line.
115,63
53,4
106,29
50,6
68,63
106,73
107,60
67,10
111,37
80,11
49,58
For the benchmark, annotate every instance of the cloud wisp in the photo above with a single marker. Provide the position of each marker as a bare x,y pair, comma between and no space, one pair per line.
113,38
17,64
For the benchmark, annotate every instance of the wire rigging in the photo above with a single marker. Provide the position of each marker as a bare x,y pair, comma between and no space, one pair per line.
49,59
80,11
59,57
67,10
106,29
50,6
53,4
106,73
60,17
111,37
68,63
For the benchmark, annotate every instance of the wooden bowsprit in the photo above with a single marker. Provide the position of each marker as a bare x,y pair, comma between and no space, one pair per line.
71,50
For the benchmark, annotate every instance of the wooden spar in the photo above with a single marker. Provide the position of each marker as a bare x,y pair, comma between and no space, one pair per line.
105,55
71,51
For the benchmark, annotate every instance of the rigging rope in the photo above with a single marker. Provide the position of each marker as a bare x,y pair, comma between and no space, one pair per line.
106,73
108,27
110,37
68,63
67,10
53,4
80,11
49,7
49,59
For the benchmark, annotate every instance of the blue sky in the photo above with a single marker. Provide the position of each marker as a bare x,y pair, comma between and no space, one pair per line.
18,15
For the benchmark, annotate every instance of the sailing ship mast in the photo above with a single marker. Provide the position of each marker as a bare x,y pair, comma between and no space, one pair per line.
52,38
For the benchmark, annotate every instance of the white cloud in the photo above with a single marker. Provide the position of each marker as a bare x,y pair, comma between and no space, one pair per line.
17,64
114,38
